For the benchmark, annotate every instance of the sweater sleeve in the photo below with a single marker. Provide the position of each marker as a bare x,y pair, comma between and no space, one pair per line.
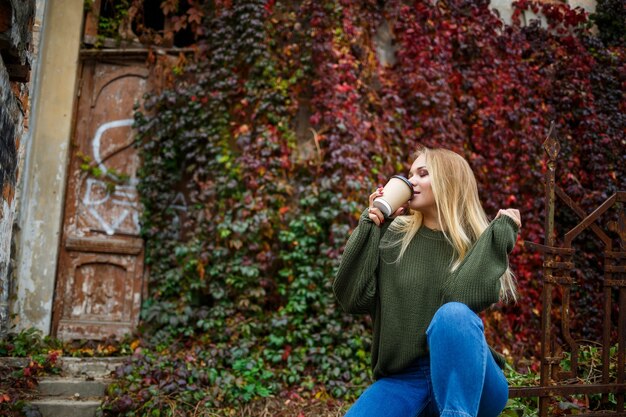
356,279
476,282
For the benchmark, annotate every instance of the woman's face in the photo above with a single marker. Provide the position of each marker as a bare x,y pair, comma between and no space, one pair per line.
423,198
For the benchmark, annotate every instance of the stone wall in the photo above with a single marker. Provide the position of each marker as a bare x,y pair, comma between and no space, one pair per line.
16,22
44,146
505,9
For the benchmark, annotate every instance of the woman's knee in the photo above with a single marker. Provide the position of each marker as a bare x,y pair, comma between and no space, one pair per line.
455,315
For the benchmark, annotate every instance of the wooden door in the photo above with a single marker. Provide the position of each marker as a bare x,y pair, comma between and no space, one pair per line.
100,271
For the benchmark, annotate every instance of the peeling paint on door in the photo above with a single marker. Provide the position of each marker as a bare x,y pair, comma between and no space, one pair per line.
99,279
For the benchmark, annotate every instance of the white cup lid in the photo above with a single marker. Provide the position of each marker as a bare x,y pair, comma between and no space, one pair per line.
383,206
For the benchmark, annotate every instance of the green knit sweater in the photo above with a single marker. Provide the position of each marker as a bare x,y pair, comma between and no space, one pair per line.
403,296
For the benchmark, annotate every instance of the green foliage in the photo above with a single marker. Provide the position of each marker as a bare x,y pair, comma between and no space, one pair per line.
259,159
521,407
31,342
28,342
190,375
610,18
88,5
108,27
110,176
588,372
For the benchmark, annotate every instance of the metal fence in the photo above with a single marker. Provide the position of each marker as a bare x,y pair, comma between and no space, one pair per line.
557,276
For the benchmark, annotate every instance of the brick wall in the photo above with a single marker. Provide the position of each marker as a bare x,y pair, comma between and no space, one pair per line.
16,21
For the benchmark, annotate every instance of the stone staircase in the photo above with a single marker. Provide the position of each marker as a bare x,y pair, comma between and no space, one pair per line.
79,390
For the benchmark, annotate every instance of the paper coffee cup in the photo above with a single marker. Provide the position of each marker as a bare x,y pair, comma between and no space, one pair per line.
395,194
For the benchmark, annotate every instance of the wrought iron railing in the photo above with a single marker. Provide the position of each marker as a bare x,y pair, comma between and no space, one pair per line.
558,266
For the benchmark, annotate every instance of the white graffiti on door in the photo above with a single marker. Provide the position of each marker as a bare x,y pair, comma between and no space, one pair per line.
111,208
117,210
124,199
96,143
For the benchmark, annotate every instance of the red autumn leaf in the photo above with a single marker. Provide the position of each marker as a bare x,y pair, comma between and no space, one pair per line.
180,23
286,352
169,6
195,15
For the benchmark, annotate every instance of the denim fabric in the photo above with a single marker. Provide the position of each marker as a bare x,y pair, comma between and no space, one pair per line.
459,379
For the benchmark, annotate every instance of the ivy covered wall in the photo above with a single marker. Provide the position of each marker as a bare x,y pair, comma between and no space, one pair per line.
286,121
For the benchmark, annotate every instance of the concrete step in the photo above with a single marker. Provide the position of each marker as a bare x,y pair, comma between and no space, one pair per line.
72,387
90,367
78,390
70,396
50,407
76,367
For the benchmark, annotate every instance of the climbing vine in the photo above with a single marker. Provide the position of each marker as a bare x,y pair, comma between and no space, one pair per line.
260,158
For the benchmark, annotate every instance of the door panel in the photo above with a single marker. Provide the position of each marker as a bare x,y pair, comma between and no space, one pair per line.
100,272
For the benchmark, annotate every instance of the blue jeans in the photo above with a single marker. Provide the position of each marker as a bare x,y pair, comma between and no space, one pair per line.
460,379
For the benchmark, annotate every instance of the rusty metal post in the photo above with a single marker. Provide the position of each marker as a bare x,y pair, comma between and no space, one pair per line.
552,147
606,324
621,345
608,306
620,228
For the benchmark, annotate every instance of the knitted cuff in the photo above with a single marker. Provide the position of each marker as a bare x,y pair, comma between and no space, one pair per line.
365,216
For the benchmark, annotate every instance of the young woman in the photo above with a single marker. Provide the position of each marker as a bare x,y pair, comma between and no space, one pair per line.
423,277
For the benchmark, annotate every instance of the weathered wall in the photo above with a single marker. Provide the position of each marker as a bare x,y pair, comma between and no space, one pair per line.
42,188
45,166
10,130
16,22
504,7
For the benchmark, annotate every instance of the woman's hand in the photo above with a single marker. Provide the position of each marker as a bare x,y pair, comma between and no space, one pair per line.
512,213
375,214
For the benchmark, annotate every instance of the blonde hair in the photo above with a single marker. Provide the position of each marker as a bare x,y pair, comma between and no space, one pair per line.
459,211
